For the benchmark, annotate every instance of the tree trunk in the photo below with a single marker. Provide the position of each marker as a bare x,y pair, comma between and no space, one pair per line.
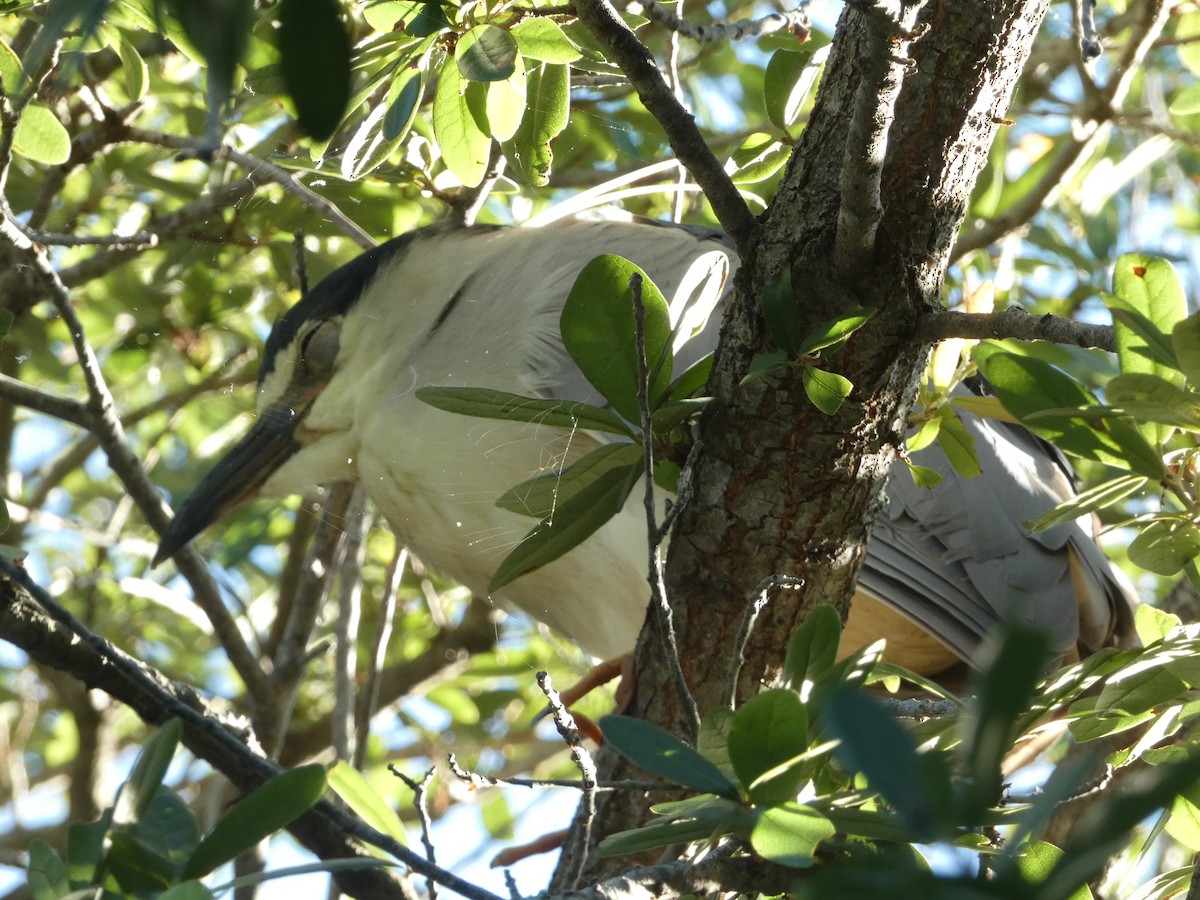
782,488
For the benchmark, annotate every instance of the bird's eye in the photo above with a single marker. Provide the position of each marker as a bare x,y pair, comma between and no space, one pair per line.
319,349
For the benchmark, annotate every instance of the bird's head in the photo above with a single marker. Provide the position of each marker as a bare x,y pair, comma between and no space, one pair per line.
299,438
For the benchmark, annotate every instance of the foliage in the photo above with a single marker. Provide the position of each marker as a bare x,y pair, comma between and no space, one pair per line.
167,152
148,843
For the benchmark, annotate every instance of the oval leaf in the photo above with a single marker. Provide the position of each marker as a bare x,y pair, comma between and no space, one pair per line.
543,39
460,125
598,331
540,496
547,108
826,390
660,752
768,731
486,53
41,137
789,833
315,51
485,403
258,815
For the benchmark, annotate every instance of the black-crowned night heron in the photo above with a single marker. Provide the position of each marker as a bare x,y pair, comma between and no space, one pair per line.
480,307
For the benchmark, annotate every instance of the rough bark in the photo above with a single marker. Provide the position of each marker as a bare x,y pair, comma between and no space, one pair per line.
782,487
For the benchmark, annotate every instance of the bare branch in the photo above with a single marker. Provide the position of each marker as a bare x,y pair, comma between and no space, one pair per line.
795,21
65,645
1015,322
623,47
587,770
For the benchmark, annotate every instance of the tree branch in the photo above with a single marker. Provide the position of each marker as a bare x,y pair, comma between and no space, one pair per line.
32,621
622,46
1014,322
794,21
884,61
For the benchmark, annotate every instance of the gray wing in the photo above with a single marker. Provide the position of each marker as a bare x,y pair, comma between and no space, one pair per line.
957,559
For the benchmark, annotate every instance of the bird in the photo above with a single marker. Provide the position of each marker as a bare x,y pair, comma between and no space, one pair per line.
479,306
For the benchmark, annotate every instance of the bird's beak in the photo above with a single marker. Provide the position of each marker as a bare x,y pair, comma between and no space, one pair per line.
235,479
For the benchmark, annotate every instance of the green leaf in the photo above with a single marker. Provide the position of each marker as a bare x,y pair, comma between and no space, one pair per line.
1147,287
137,793
1157,343
486,53
1186,102
788,833
258,815
916,786
47,873
571,523
712,818
923,476
1096,837
548,105
485,403
41,137
781,313
1026,386
85,848
1185,340
403,100
1141,686
133,67
826,390
383,129
598,331
1036,859
136,865
835,330
957,443
349,784
713,739
542,39
217,31
692,381
460,125
1011,664
1087,502
782,91
315,52
428,18
660,752
541,496
1149,397
506,103
768,731
196,890
764,364
812,649
1165,546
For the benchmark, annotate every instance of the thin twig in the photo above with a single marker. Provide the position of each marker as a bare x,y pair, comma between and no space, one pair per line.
368,698
350,558
155,698
262,170
795,21
624,48
421,805
658,588
1085,28
479,780
586,813
1014,322
761,595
